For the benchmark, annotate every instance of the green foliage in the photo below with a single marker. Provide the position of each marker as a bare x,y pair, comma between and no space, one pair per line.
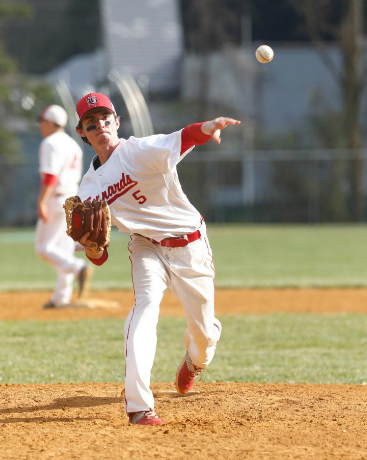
7,65
58,30
31,97
22,97
15,9
8,144
8,77
275,348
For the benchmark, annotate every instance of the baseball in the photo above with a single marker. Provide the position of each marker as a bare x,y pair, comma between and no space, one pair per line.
264,54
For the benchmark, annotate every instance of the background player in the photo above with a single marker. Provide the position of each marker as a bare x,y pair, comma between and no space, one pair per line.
168,244
60,168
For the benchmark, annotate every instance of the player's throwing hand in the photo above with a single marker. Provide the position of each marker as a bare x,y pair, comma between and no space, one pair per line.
214,127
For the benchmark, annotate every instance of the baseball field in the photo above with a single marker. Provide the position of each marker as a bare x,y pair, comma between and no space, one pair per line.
288,380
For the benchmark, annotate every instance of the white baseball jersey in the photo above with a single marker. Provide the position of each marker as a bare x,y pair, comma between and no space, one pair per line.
61,156
140,183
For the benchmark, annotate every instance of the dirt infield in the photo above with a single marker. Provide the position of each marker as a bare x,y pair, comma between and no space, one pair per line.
224,420
28,305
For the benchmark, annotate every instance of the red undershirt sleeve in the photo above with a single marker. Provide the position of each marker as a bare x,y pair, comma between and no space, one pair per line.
192,135
101,260
49,180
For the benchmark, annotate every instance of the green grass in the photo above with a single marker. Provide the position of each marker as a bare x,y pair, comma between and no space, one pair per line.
290,255
275,348
244,255
23,269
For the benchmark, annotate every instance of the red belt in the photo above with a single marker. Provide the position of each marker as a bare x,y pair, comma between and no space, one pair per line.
180,241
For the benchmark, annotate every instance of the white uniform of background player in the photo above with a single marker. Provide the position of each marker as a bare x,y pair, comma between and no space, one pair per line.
168,244
60,159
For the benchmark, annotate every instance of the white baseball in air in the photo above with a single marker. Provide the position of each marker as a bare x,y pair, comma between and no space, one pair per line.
264,54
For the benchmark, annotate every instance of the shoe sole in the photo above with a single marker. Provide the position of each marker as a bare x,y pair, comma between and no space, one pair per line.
146,424
49,307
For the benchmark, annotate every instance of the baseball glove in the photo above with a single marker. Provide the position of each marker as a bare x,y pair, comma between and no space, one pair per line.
88,216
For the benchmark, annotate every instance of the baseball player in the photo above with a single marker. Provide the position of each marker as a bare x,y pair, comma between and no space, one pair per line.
168,243
60,159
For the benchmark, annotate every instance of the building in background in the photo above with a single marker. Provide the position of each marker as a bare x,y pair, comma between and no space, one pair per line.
144,38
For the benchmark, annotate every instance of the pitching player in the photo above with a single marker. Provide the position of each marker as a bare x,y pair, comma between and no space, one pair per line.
168,244
60,159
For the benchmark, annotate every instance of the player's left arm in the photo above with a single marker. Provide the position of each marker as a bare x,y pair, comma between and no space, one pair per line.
96,258
87,189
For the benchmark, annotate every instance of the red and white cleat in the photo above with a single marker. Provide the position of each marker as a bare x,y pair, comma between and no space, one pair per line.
148,417
186,375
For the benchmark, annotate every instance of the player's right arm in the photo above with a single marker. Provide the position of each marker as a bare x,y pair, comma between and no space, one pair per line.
200,133
162,152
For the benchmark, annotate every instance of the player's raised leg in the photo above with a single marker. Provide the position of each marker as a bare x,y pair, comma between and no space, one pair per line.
194,286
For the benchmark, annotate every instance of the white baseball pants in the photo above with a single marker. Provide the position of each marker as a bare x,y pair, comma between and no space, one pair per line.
189,272
57,248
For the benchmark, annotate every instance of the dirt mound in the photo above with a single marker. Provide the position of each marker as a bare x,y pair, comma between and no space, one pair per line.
223,421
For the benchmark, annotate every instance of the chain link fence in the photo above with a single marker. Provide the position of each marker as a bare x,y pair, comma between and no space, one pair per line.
272,186
254,187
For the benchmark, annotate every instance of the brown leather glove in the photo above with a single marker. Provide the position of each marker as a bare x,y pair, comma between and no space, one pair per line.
91,217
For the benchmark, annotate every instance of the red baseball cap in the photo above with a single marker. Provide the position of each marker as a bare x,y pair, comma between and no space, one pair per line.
93,101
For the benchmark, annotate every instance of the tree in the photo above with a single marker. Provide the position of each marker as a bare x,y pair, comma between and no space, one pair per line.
343,21
314,190
58,30
8,71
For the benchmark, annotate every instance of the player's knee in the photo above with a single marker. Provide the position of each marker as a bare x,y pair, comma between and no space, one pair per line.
203,339
208,337
217,329
43,251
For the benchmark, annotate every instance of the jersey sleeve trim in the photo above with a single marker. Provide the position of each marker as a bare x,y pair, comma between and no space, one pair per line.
101,260
49,180
192,135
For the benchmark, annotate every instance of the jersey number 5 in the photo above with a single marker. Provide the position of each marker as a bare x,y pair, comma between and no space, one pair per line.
140,199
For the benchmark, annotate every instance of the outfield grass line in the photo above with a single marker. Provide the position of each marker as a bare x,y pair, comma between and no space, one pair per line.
49,286
116,286
292,284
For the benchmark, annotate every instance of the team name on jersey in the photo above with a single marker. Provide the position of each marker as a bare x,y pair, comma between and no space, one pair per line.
120,188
